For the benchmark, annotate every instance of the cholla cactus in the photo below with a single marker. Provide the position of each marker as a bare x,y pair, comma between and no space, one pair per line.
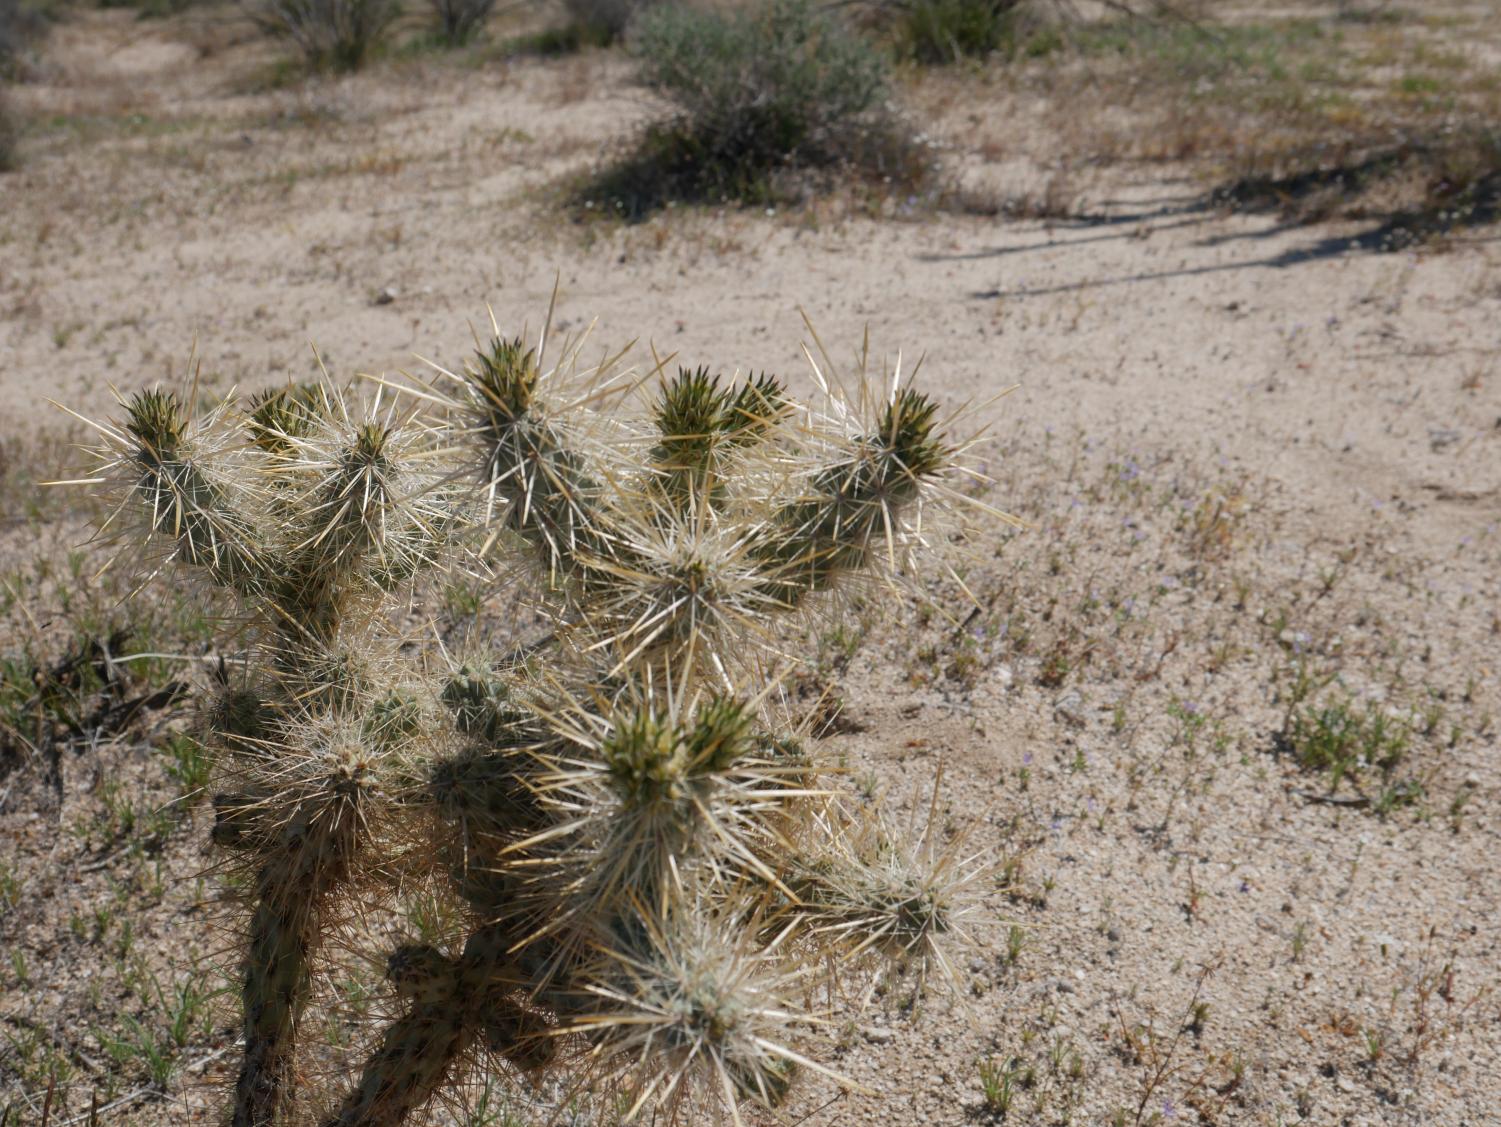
651,867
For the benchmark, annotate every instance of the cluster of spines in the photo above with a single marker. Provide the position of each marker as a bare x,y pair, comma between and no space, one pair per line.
531,470
700,428
183,502
647,863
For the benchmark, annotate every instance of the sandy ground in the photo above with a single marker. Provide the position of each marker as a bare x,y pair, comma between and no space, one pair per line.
1241,446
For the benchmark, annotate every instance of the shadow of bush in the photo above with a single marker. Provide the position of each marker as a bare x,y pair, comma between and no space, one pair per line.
1415,188
670,164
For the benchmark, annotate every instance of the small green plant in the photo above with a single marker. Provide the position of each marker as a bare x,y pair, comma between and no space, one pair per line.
759,93
1300,939
1198,1018
1016,942
335,34
188,764
1339,738
998,1083
186,1007
141,1050
1345,740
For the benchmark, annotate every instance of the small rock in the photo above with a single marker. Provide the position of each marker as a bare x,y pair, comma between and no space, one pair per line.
1070,707
1440,437
1114,935
1064,986
879,1036
386,296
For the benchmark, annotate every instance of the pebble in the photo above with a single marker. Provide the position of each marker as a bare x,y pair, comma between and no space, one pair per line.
1070,706
1440,437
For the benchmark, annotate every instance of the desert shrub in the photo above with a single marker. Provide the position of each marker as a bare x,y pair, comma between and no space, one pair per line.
601,21
588,23
775,87
10,133
21,26
763,84
330,33
150,9
458,21
938,32
649,866
944,31
560,39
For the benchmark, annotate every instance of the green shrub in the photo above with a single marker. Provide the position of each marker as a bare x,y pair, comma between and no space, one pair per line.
21,25
944,31
1341,739
760,85
150,9
458,21
770,89
938,32
10,134
589,23
330,33
560,39
601,21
